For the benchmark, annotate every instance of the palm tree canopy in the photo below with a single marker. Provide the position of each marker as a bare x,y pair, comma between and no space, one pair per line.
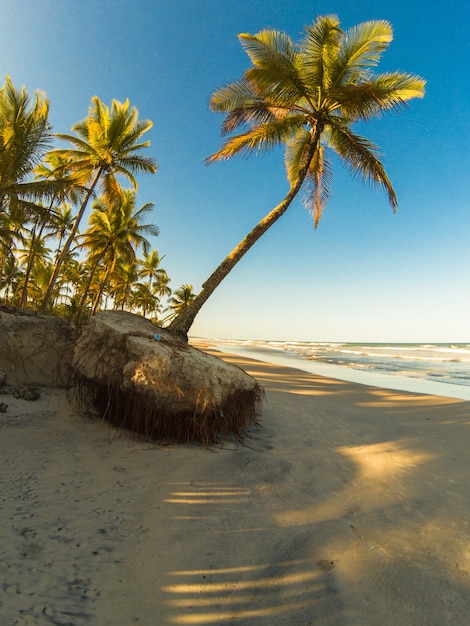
106,145
108,140
158,278
116,228
306,96
181,298
25,134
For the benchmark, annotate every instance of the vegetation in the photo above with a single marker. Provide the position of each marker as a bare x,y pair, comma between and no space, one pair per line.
306,97
46,263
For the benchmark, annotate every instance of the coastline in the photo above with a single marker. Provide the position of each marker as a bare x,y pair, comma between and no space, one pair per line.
343,372
348,505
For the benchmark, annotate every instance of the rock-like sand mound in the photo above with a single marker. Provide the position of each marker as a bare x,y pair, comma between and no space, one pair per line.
143,378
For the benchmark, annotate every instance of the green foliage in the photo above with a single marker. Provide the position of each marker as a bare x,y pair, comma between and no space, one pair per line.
310,93
305,97
43,195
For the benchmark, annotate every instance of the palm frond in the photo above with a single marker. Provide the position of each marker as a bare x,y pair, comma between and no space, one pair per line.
276,72
361,49
243,107
135,163
318,184
319,48
318,179
82,145
261,138
388,91
270,49
294,155
362,157
274,87
232,96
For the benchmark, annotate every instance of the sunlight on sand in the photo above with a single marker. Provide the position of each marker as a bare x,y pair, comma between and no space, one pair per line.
210,495
234,590
384,460
381,467
390,399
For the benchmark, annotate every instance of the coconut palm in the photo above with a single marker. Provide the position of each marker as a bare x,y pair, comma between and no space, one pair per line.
181,300
115,231
157,277
10,279
35,251
162,286
106,145
306,97
144,299
25,135
124,277
62,220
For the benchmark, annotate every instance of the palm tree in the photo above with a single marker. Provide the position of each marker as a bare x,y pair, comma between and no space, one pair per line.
10,234
124,277
107,144
25,134
34,252
161,287
307,97
150,268
115,231
181,300
144,299
10,278
62,219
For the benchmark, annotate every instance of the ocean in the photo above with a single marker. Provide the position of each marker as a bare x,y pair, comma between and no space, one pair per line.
433,368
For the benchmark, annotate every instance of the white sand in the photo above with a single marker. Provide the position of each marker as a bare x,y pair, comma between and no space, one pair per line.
349,505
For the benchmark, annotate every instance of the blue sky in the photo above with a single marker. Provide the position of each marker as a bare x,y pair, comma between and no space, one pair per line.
365,274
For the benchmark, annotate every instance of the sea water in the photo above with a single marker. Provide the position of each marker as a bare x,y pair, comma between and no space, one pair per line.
434,368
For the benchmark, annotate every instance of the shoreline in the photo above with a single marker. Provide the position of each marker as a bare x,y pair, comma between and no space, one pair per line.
348,505
342,372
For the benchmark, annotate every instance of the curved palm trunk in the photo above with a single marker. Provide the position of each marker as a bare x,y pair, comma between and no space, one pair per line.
60,260
184,320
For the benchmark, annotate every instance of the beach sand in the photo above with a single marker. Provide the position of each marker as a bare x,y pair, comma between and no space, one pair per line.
347,505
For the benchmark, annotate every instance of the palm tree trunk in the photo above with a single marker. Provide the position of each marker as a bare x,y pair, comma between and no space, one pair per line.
100,291
60,260
184,320
29,265
81,305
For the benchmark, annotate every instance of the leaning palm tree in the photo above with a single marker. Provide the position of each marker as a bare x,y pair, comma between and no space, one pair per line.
107,144
307,97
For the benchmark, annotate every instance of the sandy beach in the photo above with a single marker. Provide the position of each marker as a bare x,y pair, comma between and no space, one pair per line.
348,505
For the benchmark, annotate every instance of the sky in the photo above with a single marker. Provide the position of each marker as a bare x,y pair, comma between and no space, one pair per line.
365,274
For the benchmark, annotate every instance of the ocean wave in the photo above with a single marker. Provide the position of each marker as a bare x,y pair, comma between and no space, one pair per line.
449,362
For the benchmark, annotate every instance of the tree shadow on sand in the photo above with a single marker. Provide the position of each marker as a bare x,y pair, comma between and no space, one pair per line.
350,506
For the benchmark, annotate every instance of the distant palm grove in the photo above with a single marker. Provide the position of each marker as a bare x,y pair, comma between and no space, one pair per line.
49,260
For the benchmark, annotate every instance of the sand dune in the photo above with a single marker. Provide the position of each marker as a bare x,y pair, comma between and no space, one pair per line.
349,505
